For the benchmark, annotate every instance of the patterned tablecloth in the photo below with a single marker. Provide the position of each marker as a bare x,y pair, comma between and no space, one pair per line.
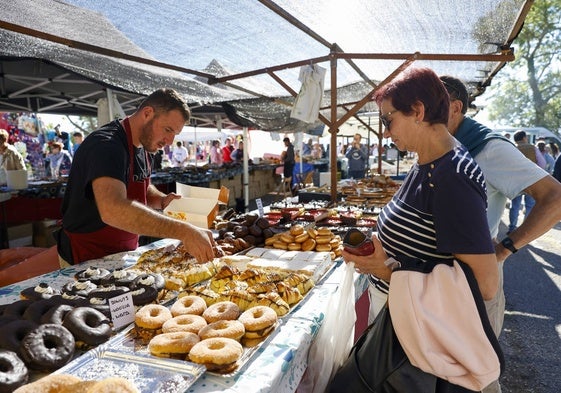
279,365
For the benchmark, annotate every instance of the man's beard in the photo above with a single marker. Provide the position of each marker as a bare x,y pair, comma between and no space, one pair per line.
146,137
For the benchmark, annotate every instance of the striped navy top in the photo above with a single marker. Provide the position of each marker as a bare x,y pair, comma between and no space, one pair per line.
438,211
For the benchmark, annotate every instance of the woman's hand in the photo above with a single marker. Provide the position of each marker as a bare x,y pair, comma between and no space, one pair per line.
370,264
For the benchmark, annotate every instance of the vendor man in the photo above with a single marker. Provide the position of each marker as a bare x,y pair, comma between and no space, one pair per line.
109,200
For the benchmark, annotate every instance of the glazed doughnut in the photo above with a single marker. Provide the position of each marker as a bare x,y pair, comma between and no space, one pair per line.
184,323
312,232
217,354
88,325
320,239
93,273
270,240
309,245
120,277
56,314
189,304
296,230
229,329
14,332
13,372
258,318
278,244
17,308
294,246
301,238
287,237
38,292
150,319
323,247
323,231
173,345
221,310
39,308
47,347
155,280
81,287
144,295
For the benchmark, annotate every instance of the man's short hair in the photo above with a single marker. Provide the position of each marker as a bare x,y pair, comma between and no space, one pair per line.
167,100
519,135
457,90
286,139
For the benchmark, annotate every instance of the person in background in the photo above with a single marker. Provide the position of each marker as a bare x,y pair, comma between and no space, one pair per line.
439,213
215,154
533,154
109,200
10,158
549,160
357,155
288,158
554,149
180,155
237,154
77,139
60,160
307,148
227,151
157,159
507,173
64,137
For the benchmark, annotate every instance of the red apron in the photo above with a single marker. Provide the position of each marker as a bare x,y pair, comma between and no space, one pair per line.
109,240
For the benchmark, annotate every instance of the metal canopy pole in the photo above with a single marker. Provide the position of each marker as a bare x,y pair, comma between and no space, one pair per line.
333,128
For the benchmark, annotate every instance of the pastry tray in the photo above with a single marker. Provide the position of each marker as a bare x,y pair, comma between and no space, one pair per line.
120,356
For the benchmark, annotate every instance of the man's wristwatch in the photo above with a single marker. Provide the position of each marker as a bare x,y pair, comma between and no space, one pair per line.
508,244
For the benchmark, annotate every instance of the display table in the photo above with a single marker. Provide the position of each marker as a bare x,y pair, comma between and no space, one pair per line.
279,365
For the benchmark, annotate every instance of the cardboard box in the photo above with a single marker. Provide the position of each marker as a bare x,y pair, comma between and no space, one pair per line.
198,205
20,235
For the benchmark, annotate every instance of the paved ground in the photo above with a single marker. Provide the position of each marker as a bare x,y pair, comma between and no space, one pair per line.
532,328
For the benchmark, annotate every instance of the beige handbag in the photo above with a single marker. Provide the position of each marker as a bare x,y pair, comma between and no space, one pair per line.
440,320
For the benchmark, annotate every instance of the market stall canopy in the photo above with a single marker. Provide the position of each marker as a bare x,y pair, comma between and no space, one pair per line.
249,52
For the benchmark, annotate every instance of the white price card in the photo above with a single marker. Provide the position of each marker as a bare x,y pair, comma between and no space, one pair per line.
259,203
122,310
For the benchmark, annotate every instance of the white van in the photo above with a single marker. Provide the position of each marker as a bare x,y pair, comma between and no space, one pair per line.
534,133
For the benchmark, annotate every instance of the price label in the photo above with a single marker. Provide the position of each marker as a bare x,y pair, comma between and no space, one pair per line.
122,310
259,203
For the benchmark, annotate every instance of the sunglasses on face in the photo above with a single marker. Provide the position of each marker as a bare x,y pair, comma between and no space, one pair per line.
387,122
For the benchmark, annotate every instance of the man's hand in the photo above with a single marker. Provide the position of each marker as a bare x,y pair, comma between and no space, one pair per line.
166,200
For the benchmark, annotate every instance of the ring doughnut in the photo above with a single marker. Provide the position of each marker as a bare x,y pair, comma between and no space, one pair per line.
294,246
47,347
296,230
217,354
323,239
144,295
258,318
189,304
173,345
301,238
13,372
150,319
184,323
229,329
323,231
17,308
312,232
87,325
14,332
287,237
56,314
323,247
309,245
221,310
39,308
280,245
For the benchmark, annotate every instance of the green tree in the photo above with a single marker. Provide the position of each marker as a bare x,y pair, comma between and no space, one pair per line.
527,92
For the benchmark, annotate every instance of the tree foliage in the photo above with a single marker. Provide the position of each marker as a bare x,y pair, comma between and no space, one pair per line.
527,92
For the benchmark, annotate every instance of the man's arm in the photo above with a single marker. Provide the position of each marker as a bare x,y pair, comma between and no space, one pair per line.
120,212
543,216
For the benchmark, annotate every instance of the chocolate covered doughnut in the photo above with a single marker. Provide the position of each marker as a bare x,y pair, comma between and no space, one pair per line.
48,347
88,325
13,372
